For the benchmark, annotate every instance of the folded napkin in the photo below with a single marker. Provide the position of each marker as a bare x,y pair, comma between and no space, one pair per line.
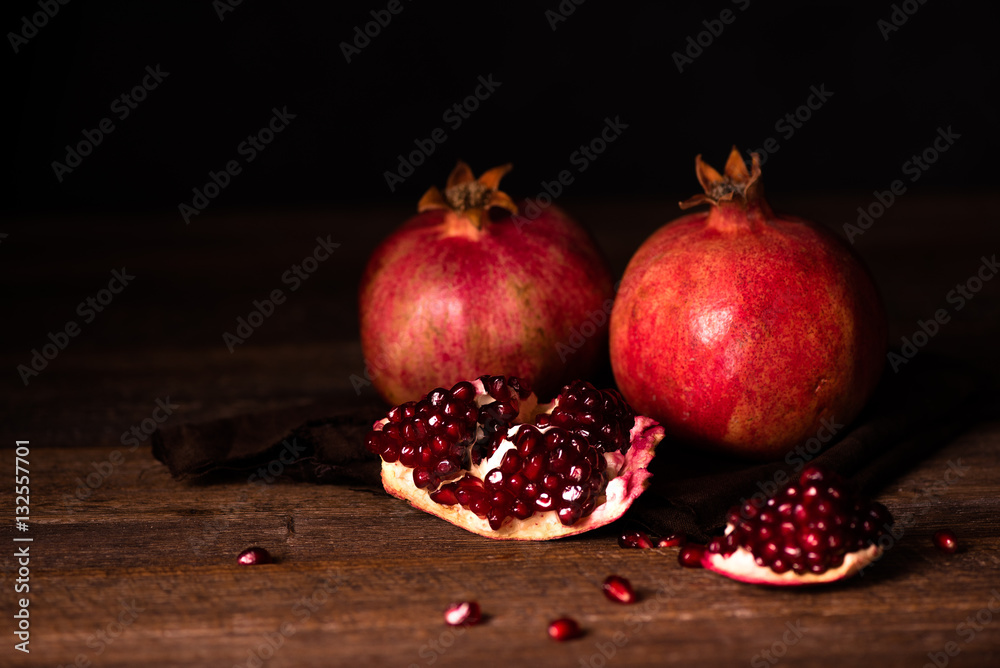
913,412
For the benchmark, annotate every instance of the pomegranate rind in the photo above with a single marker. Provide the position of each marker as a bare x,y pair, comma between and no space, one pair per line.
631,481
740,566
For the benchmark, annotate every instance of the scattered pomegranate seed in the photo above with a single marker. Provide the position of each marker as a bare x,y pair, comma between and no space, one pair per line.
564,629
635,539
673,540
690,556
619,590
946,541
464,612
254,556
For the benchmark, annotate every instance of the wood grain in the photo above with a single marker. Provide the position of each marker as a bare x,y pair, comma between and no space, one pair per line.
375,576
361,578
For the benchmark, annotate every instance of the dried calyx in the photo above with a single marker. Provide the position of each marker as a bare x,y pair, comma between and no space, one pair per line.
468,196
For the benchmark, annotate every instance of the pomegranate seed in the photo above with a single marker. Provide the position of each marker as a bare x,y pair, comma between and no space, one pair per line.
463,612
690,556
634,539
446,496
564,629
618,589
946,541
673,540
254,556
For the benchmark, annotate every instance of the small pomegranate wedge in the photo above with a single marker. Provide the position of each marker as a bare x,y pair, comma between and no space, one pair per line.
814,530
487,457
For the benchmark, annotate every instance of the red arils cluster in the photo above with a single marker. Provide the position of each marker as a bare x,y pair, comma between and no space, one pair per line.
550,470
432,436
807,527
602,417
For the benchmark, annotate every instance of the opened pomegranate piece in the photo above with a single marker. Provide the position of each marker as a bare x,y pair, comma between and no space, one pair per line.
486,457
815,529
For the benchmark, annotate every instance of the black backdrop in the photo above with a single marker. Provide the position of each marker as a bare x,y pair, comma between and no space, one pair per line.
228,66
220,71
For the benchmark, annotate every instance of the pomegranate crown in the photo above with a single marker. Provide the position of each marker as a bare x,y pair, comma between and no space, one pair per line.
735,185
466,195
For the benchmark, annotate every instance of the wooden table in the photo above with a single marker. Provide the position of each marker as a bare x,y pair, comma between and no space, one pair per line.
129,567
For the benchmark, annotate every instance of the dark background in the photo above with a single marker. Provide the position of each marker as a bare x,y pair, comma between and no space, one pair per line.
324,174
606,59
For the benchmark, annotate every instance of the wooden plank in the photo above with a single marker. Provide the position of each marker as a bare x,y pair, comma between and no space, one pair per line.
376,574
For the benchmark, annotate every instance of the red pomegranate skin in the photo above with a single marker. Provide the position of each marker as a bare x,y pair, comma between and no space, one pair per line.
744,332
442,300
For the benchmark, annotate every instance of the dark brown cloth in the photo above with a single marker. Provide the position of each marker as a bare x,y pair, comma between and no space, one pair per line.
923,406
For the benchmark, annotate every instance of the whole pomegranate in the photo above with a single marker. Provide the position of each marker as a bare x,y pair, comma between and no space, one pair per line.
744,331
468,287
